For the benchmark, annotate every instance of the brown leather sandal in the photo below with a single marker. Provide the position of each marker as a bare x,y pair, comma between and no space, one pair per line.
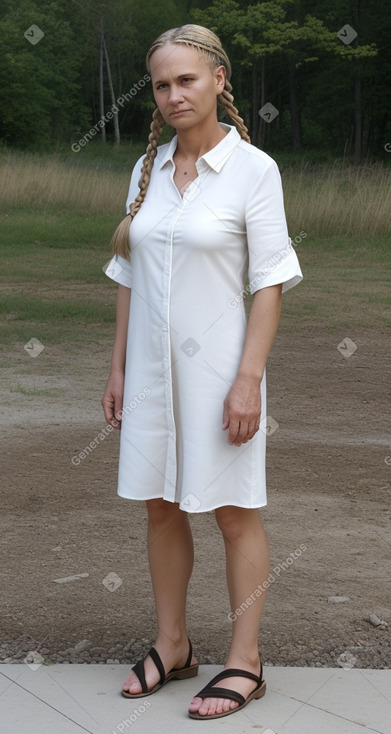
188,671
210,692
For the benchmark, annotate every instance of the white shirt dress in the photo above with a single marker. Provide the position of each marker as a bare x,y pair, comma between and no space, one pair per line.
190,256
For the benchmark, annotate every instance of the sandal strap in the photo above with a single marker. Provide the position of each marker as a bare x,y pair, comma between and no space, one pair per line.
216,692
210,692
158,662
188,661
139,669
189,657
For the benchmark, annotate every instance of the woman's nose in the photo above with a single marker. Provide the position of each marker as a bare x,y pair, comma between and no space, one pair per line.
175,95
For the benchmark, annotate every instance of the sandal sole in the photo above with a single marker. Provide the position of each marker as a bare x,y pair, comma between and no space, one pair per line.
255,695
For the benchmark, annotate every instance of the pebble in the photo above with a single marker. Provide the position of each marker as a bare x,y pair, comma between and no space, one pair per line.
374,620
338,599
82,645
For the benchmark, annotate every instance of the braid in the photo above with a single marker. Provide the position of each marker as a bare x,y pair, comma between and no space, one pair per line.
226,99
120,239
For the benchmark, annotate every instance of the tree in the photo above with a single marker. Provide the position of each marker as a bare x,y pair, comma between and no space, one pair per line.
39,95
268,32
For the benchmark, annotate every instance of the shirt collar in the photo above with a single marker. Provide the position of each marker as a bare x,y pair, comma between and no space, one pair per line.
214,158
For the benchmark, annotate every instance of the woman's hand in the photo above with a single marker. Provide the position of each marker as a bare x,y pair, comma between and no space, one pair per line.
113,397
242,410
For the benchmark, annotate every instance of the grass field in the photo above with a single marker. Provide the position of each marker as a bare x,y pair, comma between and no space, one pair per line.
58,214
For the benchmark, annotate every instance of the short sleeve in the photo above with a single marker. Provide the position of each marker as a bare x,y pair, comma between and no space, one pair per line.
118,268
272,259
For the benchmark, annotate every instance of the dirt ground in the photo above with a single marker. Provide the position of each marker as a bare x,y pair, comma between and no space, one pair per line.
329,471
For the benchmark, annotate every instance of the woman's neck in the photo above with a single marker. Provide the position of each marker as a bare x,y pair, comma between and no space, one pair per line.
195,142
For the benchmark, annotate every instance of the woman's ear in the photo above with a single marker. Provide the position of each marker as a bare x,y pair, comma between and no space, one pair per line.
220,75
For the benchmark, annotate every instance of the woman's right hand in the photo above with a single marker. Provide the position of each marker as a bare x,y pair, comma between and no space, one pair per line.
112,399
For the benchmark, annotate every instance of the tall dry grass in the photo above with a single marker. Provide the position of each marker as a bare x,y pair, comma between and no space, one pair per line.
321,201
348,200
27,180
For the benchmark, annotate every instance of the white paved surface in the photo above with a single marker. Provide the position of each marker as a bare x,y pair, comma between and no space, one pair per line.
71,699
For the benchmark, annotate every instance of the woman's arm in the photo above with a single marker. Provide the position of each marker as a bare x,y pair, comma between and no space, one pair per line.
113,395
242,406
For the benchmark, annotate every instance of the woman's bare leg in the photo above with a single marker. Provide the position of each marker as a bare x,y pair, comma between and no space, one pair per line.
171,557
247,559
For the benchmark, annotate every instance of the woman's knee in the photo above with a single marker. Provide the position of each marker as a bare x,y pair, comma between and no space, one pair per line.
234,522
161,512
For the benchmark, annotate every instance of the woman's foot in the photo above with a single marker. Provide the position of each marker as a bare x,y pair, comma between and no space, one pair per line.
172,656
210,706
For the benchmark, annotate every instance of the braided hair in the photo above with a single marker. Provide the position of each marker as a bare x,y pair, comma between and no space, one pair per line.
210,47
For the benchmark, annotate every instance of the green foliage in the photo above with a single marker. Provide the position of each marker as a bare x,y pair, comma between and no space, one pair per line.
39,91
328,93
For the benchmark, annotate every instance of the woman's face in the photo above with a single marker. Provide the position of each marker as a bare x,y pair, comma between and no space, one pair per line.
184,86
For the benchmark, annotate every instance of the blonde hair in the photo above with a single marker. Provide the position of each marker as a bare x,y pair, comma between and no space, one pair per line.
209,45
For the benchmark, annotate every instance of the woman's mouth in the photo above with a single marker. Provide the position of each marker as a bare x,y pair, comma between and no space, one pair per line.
178,113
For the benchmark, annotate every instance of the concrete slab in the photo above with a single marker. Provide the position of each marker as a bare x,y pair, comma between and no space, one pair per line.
71,699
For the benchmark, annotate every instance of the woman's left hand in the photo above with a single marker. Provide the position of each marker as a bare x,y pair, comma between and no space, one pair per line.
242,410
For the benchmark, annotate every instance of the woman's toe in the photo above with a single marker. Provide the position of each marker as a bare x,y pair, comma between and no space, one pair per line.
132,685
212,706
195,704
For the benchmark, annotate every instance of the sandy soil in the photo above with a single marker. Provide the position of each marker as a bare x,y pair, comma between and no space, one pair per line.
329,470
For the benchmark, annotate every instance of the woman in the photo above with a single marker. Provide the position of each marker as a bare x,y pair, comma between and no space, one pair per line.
187,378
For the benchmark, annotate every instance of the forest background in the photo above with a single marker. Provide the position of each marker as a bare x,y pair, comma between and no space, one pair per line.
322,69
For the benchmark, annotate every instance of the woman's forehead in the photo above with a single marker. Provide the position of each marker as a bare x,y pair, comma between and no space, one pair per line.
176,59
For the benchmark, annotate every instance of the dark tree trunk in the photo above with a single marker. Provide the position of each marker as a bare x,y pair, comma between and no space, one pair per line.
115,114
297,142
358,134
261,127
255,104
101,90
